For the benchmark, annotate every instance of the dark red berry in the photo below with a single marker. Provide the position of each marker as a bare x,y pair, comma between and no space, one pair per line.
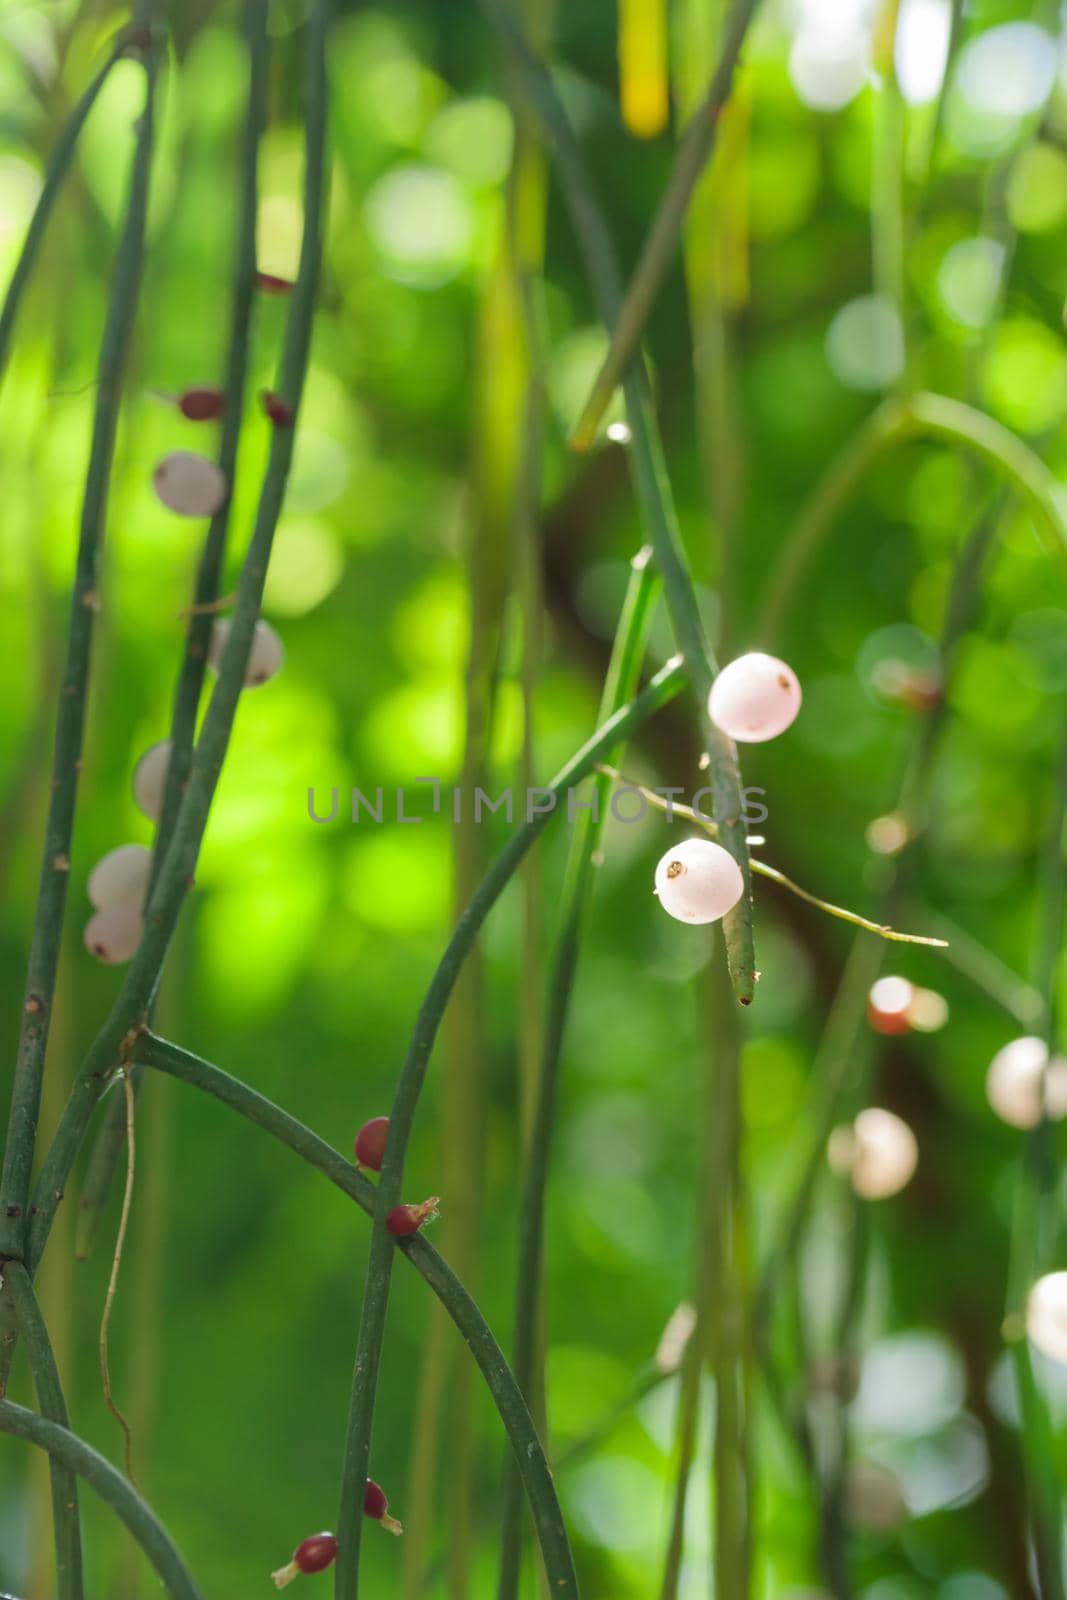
376,1505
314,1554
406,1220
278,410
270,284
201,405
370,1143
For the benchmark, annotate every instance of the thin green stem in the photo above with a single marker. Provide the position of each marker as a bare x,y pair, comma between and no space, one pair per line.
514,1414
176,875
649,472
661,689
65,1516
659,248
70,721
115,1491
54,178
619,685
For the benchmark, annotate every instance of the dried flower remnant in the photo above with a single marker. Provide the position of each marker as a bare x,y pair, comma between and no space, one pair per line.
698,881
189,485
405,1220
754,698
265,658
1017,1074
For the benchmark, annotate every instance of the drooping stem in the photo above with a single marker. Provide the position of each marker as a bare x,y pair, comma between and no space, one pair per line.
45,939
65,1514
649,472
176,874
620,683
514,1414
658,250
661,689
115,1491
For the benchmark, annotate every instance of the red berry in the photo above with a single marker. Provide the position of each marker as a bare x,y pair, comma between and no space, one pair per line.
278,410
314,1554
889,1006
406,1220
201,405
370,1143
376,1505
271,284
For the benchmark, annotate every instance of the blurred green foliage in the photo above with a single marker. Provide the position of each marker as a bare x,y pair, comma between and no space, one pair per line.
306,949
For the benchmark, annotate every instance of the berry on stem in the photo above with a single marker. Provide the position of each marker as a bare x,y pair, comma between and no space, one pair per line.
1018,1074
265,658
270,283
278,410
403,1221
878,1153
201,405
189,485
150,779
119,880
376,1505
1046,1316
370,1144
889,1004
698,881
113,934
314,1554
754,698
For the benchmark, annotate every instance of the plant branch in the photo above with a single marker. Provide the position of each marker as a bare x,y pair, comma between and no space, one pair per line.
659,691
514,1414
657,253
65,1515
116,1261
79,1457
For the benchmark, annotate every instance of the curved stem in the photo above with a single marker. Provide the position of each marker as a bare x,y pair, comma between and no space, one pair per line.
649,472
54,178
514,1413
115,1491
657,253
109,1141
70,720
176,874
50,1398
661,689
619,686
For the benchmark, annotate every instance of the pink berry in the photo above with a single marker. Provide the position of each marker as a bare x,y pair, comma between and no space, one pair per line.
112,935
376,1505
370,1143
201,405
755,698
270,284
314,1554
406,1220
278,410
189,485
119,881
265,657
698,881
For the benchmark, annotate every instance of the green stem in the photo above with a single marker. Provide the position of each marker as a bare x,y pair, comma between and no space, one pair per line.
70,722
50,1398
922,416
619,685
661,689
176,874
650,476
514,1414
115,1491
54,178
657,253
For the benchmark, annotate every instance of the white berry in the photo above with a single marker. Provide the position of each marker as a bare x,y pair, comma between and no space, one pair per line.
756,697
112,935
878,1153
190,485
874,1499
1013,1083
150,779
120,879
698,881
1046,1315
266,656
